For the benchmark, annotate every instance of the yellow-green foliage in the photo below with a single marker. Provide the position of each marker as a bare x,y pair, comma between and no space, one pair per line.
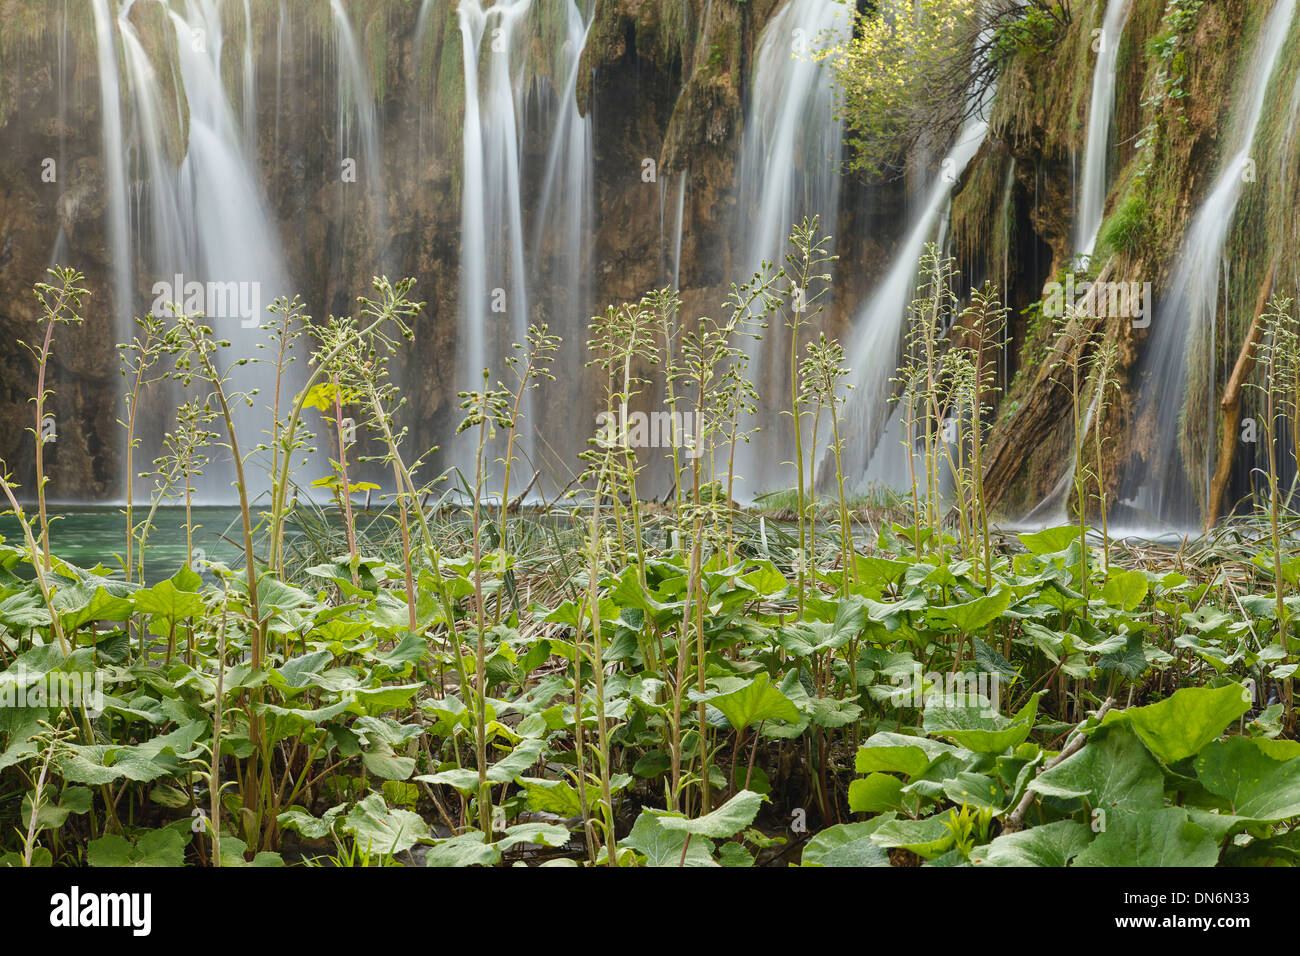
895,57
1054,112
980,211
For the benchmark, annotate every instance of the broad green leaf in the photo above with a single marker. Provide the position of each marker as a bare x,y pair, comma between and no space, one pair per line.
757,701
898,753
381,830
875,793
1125,589
728,820
313,828
664,847
1050,540
542,834
295,670
165,601
551,796
1179,726
846,844
928,838
162,847
1113,771
1053,844
1255,785
978,727
1152,838
468,849
976,790
971,616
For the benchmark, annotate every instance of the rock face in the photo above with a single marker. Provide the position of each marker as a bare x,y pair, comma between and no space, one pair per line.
666,84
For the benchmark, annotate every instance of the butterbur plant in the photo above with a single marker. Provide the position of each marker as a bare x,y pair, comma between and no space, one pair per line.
630,682
140,369
620,339
823,374
485,410
920,381
1279,354
60,304
530,364
803,265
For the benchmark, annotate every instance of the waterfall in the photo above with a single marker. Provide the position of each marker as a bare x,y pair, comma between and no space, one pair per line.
874,452
562,243
198,224
493,278
110,104
788,169
359,128
1101,111
1190,303
509,273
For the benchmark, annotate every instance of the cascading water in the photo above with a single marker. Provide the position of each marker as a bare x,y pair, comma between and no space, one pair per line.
1163,492
562,243
493,280
359,126
110,104
200,228
875,454
507,272
1101,110
788,170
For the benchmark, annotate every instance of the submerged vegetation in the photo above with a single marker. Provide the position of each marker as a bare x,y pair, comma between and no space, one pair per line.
619,682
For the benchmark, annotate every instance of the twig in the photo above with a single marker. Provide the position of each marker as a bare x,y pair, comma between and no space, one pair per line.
1016,820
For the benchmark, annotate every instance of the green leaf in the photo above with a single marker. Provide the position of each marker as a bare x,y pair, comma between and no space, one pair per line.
542,834
971,616
899,753
979,728
1125,589
165,601
164,847
1180,725
1049,540
296,670
875,793
468,849
1152,838
311,827
1129,661
728,820
845,844
1053,844
551,796
928,838
757,701
663,847
1256,785
381,830
81,604
734,854
1113,771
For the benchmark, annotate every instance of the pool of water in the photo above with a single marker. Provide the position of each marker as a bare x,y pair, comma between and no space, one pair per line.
86,536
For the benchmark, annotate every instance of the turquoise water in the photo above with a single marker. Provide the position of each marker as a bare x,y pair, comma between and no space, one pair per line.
86,536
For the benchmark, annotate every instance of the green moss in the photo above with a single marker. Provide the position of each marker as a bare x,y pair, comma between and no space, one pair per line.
1125,230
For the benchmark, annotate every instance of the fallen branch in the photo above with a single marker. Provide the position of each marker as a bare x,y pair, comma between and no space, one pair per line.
1231,403
1016,821
518,500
